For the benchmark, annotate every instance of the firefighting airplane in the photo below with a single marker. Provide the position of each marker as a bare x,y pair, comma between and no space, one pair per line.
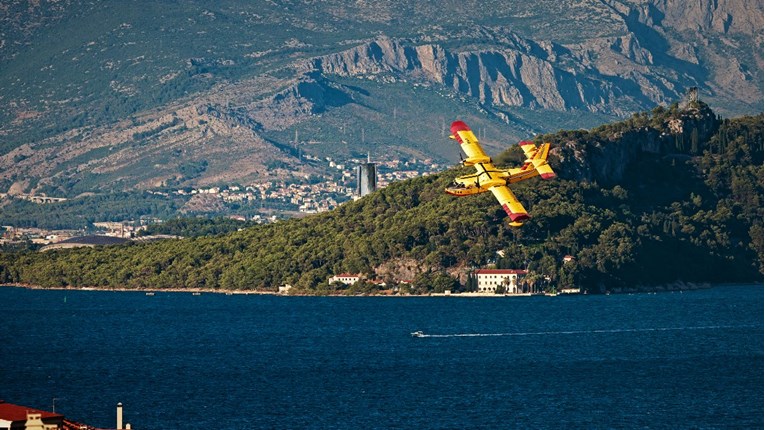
489,178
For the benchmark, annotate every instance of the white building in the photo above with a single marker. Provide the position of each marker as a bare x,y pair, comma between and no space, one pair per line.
489,279
345,278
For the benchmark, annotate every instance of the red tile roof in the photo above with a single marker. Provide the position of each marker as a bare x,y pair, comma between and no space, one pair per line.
500,272
11,412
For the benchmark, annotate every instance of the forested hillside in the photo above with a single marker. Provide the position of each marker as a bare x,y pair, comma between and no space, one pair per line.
671,195
82,212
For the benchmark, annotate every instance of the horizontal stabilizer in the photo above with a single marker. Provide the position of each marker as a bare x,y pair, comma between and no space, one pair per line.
539,160
529,149
545,171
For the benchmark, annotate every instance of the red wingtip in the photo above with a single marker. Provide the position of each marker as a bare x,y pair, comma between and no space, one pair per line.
458,126
548,175
519,217
515,217
525,142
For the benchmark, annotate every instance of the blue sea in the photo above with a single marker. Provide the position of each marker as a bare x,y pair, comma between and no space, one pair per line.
176,360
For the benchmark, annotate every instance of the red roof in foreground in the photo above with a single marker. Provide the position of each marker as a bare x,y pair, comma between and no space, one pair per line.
500,272
11,412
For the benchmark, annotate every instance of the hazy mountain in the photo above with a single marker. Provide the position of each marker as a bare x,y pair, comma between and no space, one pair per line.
105,95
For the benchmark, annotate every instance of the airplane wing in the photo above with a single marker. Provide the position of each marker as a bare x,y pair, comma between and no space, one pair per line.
469,143
511,205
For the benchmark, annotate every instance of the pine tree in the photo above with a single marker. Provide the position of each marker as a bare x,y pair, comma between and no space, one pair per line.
695,141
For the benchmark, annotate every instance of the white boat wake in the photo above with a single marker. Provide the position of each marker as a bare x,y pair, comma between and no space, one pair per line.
419,333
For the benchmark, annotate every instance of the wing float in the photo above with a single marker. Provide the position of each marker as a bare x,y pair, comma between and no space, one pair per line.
489,178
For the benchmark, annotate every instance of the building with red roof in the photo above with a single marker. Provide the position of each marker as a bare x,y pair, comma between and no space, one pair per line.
13,417
489,279
23,417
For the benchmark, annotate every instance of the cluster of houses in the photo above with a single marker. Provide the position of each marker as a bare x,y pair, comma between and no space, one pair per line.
303,194
320,196
307,198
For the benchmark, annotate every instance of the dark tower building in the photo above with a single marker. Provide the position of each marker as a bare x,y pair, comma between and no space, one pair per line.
366,178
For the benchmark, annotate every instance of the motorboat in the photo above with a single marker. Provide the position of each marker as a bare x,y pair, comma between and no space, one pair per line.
418,333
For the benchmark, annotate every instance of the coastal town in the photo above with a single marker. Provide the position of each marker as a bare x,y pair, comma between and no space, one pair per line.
262,202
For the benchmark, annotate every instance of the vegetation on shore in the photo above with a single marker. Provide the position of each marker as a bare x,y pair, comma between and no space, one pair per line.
691,211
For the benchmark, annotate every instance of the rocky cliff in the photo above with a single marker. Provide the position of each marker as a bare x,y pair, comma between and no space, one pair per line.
663,49
609,151
521,73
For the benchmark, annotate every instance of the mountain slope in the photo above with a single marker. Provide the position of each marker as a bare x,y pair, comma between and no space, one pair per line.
102,96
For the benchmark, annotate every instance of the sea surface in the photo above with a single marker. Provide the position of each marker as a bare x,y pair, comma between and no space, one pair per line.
214,361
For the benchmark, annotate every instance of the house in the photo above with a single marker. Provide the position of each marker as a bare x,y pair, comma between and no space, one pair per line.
345,278
489,279
22,417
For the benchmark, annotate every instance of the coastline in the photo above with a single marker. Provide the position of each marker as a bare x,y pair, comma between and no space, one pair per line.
144,290
641,289
247,292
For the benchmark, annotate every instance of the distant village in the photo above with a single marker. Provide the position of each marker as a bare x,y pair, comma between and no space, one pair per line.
312,195
348,180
